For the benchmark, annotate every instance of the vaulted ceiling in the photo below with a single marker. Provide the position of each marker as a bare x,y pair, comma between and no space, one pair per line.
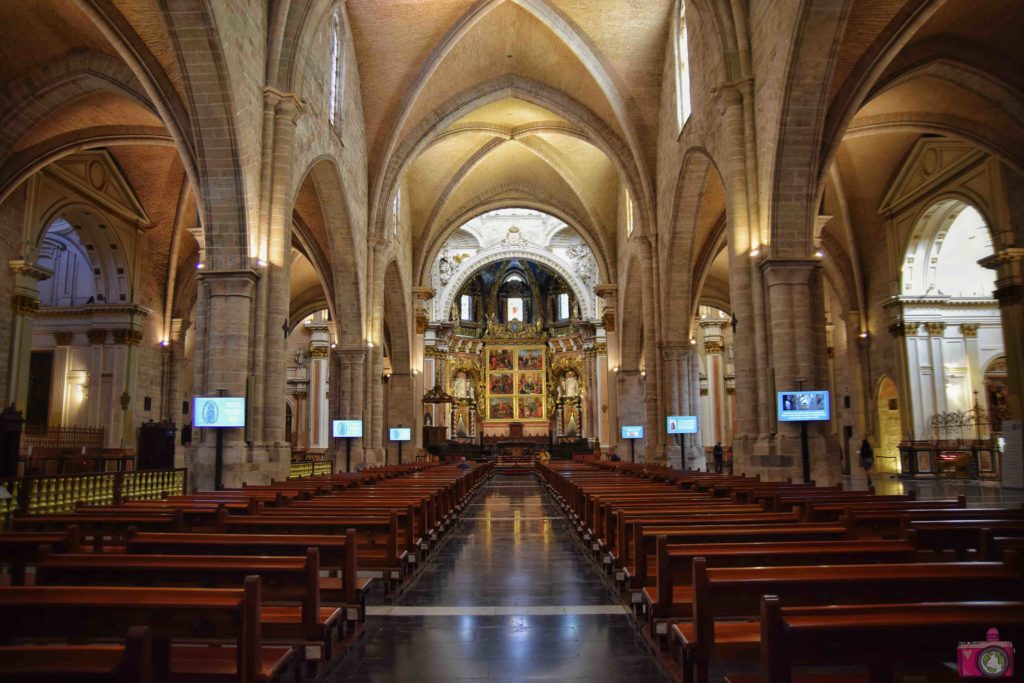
547,103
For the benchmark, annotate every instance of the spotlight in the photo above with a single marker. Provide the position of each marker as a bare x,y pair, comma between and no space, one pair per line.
615,369
863,335
820,253
164,343
693,342
756,251
261,263
200,265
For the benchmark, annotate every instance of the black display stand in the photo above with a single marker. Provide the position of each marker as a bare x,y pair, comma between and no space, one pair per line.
11,423
156,446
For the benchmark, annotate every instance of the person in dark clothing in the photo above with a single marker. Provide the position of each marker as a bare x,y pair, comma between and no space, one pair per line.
867,459
717,453
615,458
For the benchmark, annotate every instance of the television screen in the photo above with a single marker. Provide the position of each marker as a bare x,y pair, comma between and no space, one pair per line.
682,424
803,406
219,411
400,434
347,429
634,432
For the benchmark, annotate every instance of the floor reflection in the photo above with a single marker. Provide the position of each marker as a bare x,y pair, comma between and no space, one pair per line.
511,550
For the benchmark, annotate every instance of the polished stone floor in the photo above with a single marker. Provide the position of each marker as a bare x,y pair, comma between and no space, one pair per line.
978,493
509,596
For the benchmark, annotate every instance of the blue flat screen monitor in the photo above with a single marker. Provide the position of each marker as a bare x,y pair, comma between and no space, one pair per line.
681,424
219,411
634,432
347,429
803,406
400,434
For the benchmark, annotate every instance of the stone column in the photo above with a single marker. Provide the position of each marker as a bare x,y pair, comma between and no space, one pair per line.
319,350
176,354
97,343
681,398
25,304
714,356
278,262
654,413
400,412
796,316
225,331
59,377
936,332
1009,266
349,387
126,343
745,281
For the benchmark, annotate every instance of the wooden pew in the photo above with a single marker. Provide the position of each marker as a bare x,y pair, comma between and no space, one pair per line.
100,528
877,636
961,536
672,597
21,549
291,583
336,556
884,523
829,511
130,662
645,542
175,616
378,537
723,595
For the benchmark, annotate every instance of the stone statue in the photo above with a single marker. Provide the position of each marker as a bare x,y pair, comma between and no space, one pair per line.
462,386
444,268
570,385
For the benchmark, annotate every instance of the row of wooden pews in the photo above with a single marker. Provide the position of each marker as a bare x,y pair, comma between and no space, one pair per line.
260,583
780,576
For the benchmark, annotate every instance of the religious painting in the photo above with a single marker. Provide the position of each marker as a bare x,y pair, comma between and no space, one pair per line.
531,359
500,359
531,383
501,383
500,409
531,408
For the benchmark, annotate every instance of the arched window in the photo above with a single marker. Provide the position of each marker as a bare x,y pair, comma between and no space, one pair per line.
335,98
942,258
629,214
396,211
682,68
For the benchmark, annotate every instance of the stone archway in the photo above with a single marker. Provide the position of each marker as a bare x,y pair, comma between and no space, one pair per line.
890,428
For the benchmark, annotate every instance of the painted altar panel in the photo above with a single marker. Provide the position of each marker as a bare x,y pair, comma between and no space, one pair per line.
516,383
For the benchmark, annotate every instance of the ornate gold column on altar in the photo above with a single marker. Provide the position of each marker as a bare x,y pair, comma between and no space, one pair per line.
25,304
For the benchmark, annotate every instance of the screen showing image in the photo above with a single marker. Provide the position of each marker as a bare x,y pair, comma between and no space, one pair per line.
681,424
400,434
803,406
347,429
219,411
634,432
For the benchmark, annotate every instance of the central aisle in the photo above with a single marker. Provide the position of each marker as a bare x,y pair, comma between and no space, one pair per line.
508,597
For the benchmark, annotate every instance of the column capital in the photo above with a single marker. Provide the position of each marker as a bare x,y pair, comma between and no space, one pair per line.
789,271
936,329
351,356
969,330
127,337
24,305
63,337
319,351
25,269
286,104
97,336
229,282
731,93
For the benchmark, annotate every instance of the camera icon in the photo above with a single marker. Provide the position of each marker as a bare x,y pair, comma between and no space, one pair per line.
991,658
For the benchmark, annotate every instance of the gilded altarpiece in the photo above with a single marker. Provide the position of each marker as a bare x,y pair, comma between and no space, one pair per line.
516,383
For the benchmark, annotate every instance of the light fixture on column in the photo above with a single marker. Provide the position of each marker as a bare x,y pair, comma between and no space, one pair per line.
693,342
164,343
643,373
415,372
756,251
261,263
819,253
864,335
200,265
369,344
615,369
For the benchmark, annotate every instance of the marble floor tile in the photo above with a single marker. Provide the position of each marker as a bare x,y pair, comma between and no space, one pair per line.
507,597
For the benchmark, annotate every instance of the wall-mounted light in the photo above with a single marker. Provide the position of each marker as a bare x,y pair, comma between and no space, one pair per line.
200,265
643,373
164,343
864,335
369,344
756,251
333,345
693,342
615,369
261,263
819,253
415,372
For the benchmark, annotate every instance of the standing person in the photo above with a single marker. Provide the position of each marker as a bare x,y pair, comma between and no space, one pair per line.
867,459
716,452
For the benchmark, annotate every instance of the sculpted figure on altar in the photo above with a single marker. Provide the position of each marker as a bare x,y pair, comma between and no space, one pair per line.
570,385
